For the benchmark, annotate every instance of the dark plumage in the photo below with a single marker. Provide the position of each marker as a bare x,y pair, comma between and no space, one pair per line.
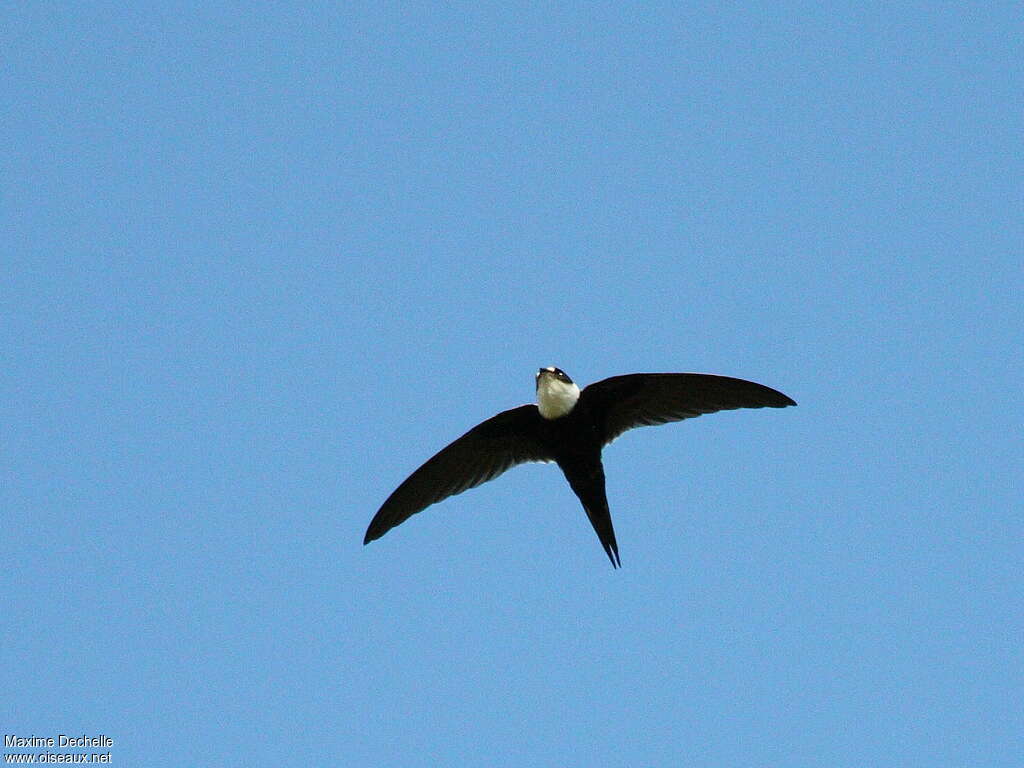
576,427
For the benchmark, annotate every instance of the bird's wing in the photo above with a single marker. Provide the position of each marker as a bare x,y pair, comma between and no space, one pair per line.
646,399
487,450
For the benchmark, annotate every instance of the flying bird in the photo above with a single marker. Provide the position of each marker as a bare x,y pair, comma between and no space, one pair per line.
569,427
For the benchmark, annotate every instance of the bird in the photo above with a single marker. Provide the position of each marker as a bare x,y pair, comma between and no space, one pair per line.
570,427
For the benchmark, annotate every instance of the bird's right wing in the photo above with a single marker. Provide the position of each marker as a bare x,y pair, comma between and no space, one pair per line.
486,451
647,399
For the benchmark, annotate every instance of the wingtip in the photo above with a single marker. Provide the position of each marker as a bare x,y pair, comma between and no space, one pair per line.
779,399
377,528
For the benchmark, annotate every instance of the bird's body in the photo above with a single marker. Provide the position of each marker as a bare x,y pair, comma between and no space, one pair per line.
574,443
570,428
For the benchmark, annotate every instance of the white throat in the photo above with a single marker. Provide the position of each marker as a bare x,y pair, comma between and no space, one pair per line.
556,398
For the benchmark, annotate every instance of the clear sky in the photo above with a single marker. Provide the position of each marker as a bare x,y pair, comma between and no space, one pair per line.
259,262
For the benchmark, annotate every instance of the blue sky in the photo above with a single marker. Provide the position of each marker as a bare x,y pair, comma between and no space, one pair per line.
260,262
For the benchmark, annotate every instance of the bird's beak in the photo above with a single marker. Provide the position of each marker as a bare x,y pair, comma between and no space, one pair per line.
540,373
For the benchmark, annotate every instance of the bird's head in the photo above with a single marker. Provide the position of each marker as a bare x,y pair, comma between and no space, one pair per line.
556,392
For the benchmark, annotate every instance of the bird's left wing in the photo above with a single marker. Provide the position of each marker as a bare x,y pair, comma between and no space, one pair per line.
486,451
647,399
